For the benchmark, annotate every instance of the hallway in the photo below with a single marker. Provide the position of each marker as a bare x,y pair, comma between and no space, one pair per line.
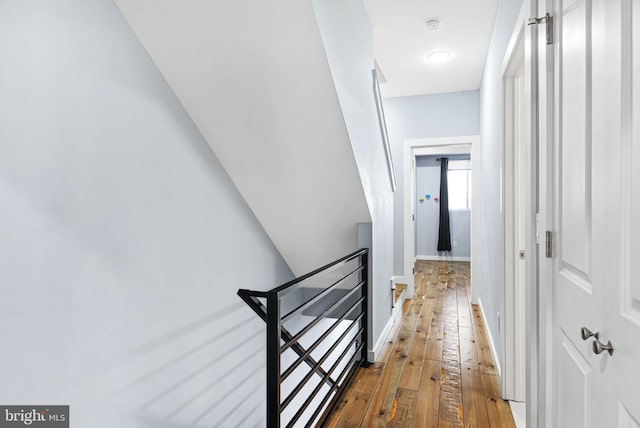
436,370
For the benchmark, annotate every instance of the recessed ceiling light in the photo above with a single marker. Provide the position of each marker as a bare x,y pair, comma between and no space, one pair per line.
439,56
432,24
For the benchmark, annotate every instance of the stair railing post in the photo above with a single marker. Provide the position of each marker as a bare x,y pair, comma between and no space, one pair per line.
273,360
365,302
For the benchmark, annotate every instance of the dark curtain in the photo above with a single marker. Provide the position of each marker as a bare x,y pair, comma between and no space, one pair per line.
444,232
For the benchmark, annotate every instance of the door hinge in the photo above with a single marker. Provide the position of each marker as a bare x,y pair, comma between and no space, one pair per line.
413,217
548,20
538,228
549,244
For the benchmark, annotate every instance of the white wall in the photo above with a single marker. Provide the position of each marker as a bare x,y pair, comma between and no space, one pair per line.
487,286
255,79
347,35
426,116
123,240
428,213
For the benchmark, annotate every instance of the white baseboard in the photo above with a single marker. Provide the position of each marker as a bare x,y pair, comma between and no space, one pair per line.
445,258
372,354
492,345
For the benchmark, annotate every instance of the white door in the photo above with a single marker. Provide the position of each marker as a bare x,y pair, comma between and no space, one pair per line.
594,183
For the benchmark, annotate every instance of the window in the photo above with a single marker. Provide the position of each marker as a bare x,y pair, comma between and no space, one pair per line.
459,178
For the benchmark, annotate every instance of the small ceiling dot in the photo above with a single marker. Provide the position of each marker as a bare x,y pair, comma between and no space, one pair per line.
432,24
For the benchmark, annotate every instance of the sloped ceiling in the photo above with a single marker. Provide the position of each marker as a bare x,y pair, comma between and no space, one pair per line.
254,77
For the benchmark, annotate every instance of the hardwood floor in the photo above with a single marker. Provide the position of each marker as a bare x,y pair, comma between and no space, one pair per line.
436,370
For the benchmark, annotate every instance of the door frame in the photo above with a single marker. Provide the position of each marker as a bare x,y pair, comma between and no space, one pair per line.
542,63
538,307
512,299
419,147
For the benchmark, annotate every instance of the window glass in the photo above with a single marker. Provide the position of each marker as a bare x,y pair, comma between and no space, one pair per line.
459,189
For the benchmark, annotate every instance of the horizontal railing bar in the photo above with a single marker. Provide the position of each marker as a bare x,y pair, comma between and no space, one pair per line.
244,292
351,367
321,316
334,366
319,295
309,375
311,362
286,288
260,309
317,388
315,344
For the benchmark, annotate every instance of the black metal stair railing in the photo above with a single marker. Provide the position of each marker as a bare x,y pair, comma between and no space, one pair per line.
319,319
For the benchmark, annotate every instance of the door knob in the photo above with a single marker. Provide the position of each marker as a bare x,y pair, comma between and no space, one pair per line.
586,333
599,348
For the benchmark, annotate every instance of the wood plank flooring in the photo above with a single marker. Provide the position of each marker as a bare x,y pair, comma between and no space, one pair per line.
436,369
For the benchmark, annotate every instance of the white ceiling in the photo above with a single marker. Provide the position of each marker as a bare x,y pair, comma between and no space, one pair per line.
403,43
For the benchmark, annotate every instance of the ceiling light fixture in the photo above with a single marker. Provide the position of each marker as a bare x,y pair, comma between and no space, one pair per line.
439,56
432,24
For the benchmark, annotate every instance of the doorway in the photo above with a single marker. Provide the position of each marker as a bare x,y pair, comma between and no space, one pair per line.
427,207
468,145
